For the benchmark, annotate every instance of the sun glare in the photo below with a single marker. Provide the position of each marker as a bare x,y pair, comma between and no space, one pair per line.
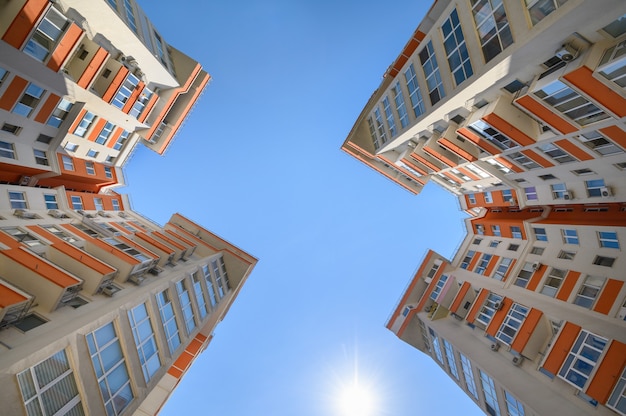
356,400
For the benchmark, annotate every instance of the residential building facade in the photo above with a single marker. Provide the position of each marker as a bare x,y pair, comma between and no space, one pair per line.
102,311
518,108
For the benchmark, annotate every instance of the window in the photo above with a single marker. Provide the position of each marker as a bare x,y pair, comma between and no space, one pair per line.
209,284
60,113
492,135
68,162
110,367
125,91
468,375
440,284
559,191
495,230
60,233
41,158
613,64
547,177
116,204
370,123
512,323
493,27
494,243
513,247
91,170
589,290
537,250
92,153
99,205
143,333
477,241
570,236
617,27
221,277
456,50
516,231
436,346
468,258
608,239
415,93
482,264
503,268
17,200
599,143
538,9
105,133
398,98
524,275
7,150
617,400
108,172
507,195
70,147
584,171
3,75
556,153
77,202
29,100
51,201
594,187
49,388
23,236
200,299
168,319
489,309
11,128
84,124
480,229
513,406
391,124
471,198
491,397
130,15
121,140
582,358
553,282
185,305
570,103
540,234
45,37
523,160
488,197
566,255
450,358
160,47
431,72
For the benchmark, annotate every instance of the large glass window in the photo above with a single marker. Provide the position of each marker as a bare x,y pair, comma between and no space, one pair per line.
570,103
556,153
613,64
450,358
414,91
166,310
456,50
29,100
599,143
391,124
45,37
492,135
489,308
110,367
105,133
144,340
121,140
595,188
493,27
130,15
440,284
538,9
524,275
582,358
482,263
503,268
468,375
523,160
553,282
570,236
608,239
125,91
589,291
185,305
7,150
200,299
374,136
513,406
60,113
398,98
512,323
380,127
491,397
540,234
84,124
209,284
17,200
431,72
617,400
49,388
436,345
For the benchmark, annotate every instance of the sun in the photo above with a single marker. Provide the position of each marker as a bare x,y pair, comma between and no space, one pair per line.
356,400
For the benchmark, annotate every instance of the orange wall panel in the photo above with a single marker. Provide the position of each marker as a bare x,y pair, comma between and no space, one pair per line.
77,121
609,371
491,265
24,22
536,277
456,149
537,158
568,285
477,305
508,129
616,134
498,317
47,108
94,65
115,84
608,296
465,287
13,93
9,297
64,48
97,128
545,114
561,347
134,95
574,150
114,136
509,164
526,330
583,79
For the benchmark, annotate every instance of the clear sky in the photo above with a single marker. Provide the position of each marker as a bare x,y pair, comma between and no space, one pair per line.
258,162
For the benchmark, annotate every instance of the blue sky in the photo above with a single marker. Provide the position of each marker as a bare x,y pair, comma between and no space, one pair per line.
258,162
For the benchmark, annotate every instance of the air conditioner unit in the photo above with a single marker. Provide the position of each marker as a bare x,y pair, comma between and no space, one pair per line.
566,53
24,180
411,144
497,305
103,214
427,309
512,202
536,265
109,290
606,191
568,195
22,213
457,317
494,346
517,360
136,279
122,214
56,213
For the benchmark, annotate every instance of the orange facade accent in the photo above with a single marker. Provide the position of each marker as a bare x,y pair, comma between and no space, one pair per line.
526,330
465,287
477,305
425,162
24,22
491,265
145,237
498,317
47,108
429,290
568,285
13,93
456,149
561,347
531,154
89,74
509,164
9,297
479,141
608,296
508,129
583,79
77,121
114,136
545,114
414,167
34,263
573,150
439,156
115,84
96,129
146,110
536,277
609,371
65,47
134,95
408,50
616,134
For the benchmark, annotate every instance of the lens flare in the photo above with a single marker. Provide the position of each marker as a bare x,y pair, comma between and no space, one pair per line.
356,400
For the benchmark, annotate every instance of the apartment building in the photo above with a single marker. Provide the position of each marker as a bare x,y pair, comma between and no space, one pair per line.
102,311
517,107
